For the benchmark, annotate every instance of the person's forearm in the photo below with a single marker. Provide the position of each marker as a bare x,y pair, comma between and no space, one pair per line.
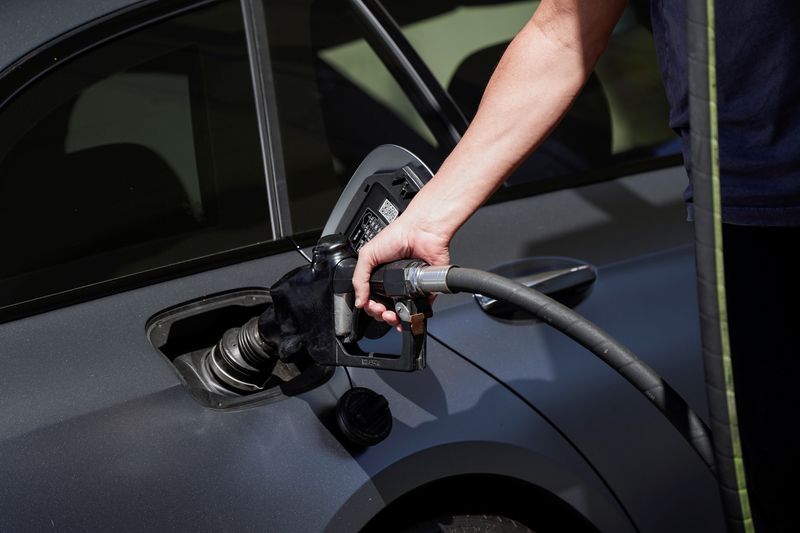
533,86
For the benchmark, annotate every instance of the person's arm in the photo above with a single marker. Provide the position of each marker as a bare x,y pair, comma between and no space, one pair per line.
535,83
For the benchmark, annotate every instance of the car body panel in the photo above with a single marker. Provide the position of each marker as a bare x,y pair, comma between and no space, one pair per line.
103,434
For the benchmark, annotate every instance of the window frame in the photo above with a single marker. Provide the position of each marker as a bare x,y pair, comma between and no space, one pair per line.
434,104
42,60
255,25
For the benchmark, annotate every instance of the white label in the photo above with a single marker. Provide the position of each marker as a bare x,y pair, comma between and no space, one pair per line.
389,211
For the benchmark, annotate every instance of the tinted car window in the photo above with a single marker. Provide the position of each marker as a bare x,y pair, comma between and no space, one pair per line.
336,102
621,114
141,153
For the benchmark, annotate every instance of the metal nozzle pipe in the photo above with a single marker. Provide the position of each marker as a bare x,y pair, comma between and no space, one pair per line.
425,279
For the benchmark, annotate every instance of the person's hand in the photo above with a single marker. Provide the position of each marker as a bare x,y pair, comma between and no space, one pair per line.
403,238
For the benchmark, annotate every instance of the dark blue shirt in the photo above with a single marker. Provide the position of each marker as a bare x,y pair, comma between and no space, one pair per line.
758,91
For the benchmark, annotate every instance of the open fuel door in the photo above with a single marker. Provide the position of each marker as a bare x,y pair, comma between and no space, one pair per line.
380,189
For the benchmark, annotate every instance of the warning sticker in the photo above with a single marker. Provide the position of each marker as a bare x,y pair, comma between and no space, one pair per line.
388,210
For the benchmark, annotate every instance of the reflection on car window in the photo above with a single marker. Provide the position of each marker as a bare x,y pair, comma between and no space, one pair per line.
336,102
621,115
141,153
146,108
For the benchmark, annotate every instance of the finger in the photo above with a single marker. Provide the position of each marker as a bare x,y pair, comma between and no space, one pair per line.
390,317
375,309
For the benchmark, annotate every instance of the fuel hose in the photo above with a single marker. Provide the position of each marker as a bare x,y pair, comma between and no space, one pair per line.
587,334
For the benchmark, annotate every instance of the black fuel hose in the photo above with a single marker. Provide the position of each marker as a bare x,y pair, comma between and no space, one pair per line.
600,343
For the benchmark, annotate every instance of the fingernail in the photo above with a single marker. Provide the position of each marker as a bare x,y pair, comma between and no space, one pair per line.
358,302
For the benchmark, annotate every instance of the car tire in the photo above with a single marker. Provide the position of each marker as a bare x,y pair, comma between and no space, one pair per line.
467,523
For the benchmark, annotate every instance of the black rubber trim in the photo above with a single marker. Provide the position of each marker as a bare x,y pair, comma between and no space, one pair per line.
267,107
447,105
141,279
51,55
710,276
596,175
396,53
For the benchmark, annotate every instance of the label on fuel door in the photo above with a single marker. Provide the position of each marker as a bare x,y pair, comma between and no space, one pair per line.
369,226
388,210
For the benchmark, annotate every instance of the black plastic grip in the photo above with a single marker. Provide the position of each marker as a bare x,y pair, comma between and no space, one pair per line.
389,280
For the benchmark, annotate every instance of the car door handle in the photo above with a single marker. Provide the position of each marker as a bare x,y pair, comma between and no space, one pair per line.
566,280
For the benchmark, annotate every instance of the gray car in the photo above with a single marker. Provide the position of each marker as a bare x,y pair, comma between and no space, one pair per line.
163,162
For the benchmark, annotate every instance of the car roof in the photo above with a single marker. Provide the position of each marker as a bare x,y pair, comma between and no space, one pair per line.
28,24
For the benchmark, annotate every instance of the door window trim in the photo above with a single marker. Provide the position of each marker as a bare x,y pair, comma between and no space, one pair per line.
435,106
40,61
255,26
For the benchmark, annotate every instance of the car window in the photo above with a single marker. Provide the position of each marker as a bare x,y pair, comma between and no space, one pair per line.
621,115
336,101
141,153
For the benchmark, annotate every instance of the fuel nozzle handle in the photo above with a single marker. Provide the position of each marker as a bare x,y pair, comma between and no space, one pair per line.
405,278
409,278
404,286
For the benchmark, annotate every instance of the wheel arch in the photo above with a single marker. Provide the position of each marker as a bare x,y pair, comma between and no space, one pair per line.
488,494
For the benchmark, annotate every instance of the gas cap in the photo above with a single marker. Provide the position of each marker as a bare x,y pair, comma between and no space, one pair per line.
363,416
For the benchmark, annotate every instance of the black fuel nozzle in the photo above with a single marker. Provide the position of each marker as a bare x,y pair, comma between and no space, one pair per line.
315,307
